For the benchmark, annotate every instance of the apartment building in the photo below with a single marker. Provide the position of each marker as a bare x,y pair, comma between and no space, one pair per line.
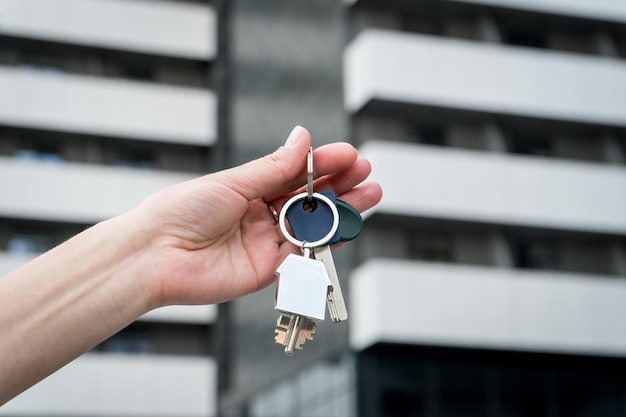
488,282
103,102
490,279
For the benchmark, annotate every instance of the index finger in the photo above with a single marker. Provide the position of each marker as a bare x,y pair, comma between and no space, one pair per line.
327,159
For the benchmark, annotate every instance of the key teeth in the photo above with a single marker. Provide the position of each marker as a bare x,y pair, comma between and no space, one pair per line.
307,331
280,337
282,325
304,336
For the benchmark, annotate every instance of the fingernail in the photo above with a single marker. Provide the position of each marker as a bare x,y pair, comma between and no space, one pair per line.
294,136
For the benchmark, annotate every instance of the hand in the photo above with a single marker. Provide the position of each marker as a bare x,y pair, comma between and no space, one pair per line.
214,237
204,241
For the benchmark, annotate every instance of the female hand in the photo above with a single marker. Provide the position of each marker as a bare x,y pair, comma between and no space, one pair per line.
204,241
215,238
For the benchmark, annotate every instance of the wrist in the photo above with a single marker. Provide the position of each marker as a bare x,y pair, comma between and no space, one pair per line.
129,239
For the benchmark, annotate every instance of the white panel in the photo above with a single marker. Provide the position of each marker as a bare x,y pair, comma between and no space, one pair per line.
78,193
183,314
56,101
159,27
498,188
123,385
447,305
609,10
428,70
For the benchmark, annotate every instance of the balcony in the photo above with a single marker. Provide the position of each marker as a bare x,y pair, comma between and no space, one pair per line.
123,385
495,188
412,69
603,10
106,107
168,28
76,193
486,308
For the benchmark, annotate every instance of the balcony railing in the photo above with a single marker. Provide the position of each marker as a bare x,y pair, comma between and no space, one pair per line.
124,385
472,186
166,28
107,107
451,305
75,193
414,69
603,10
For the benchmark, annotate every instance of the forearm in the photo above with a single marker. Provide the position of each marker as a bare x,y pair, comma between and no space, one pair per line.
71,298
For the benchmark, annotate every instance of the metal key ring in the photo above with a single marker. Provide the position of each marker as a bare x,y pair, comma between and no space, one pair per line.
309,177
306,244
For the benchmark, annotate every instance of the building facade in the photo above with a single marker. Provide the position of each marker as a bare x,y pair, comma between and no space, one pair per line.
490,279
102,103
488,282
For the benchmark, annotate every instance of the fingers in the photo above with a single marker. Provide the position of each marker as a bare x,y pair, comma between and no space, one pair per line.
345,180
285,170
327,159
274,178
364,196
272,172
339,182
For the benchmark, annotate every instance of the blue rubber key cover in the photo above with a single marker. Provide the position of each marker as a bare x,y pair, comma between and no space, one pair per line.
313,223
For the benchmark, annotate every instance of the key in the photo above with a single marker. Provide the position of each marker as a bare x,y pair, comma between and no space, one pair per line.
350,226
300,297
304,283
310,224
334,298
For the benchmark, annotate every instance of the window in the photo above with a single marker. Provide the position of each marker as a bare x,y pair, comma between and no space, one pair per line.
30,243
38,150
134,157
427,135
535,254
431,246
531,142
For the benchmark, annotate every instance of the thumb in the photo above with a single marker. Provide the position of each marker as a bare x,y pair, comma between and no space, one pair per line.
273,175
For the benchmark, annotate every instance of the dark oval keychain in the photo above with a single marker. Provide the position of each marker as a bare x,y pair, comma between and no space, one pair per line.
311,223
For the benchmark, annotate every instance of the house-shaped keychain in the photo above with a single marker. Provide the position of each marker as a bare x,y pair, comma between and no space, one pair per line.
303,285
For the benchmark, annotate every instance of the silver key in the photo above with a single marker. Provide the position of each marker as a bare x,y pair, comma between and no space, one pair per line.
300,297
334,299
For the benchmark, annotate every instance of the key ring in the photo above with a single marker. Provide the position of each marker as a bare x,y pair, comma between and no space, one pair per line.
306,244
309,177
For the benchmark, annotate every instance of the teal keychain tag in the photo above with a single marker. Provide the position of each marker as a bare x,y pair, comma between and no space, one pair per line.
350,221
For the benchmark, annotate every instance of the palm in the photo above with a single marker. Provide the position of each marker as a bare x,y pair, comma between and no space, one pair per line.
233,252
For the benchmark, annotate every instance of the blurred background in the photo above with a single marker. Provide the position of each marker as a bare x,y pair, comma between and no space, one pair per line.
490,281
